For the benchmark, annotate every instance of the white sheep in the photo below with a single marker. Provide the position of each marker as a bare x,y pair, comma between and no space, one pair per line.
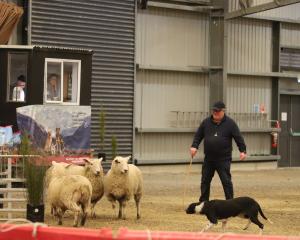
71,192
92,170
122,182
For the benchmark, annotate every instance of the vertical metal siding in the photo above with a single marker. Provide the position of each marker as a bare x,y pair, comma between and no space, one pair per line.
107,27
172,38
161,92
245,91
249,45
153,147
290,34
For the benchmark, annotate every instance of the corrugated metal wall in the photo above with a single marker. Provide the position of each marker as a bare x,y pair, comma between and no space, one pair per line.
250,51
178,40
160,93
107,27
172,38
249,45
163,147
246,94
290,34
249,90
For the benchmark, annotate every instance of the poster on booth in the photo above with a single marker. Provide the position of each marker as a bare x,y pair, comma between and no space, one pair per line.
58,130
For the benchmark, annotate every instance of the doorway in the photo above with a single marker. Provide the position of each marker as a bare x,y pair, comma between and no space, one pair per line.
289,137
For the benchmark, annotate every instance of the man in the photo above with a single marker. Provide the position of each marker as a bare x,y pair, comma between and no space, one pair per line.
18,94
53,88
217,132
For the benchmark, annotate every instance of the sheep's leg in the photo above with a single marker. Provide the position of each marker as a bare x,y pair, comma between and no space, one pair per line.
112,199
59,219
123,209
84,215
74,207
93,214
59,213
137,203
77,211
120,209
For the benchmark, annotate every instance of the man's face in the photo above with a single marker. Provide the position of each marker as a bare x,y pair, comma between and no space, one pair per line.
53,81
218,114
21,84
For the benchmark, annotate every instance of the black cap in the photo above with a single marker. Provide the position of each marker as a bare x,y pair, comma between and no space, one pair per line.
219,105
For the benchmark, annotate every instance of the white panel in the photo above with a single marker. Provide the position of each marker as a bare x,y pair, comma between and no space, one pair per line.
158,146
249,45
159,92
175,146
172,38
290,34
258,144
245,96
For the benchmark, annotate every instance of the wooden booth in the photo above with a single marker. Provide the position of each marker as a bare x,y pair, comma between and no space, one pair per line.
31,75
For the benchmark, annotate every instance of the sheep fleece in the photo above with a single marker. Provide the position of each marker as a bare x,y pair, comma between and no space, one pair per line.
124,185
62,189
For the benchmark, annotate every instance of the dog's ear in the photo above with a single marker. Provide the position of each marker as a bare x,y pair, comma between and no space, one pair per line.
191,208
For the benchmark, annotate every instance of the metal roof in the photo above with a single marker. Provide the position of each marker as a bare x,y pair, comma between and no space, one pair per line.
44,47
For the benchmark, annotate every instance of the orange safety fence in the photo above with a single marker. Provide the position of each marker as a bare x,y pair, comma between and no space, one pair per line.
125,234
40,232
36,232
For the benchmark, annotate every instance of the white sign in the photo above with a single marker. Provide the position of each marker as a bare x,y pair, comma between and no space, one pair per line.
284,116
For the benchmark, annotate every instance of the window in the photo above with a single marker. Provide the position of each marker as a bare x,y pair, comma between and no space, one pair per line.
16,77
62,81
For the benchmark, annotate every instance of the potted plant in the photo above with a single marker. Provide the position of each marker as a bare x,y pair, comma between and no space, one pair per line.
102,154
114,146
34,172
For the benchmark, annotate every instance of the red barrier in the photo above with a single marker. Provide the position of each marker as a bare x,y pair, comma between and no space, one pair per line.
125,234
54,233
64,233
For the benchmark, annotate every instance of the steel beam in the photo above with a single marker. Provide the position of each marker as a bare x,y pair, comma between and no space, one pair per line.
259,8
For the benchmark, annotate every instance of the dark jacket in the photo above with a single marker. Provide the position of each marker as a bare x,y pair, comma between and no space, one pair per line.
218,138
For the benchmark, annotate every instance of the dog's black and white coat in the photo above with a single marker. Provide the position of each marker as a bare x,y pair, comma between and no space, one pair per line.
244,207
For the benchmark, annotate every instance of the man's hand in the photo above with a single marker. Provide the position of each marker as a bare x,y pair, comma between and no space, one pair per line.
243,156
193,151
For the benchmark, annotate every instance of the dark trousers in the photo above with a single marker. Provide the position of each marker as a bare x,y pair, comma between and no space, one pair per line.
208,170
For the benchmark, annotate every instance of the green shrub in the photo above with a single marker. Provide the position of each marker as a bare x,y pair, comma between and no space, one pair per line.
114,146
34,172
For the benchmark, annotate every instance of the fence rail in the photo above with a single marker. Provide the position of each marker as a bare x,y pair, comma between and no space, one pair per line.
12,194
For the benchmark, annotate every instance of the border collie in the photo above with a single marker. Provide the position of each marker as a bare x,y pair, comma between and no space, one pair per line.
214,210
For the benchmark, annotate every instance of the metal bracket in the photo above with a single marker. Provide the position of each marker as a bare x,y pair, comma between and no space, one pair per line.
294,134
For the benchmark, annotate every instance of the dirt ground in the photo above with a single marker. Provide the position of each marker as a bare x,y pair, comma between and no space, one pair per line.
164,201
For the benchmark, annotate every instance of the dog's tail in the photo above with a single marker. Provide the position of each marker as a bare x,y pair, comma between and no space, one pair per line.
263,215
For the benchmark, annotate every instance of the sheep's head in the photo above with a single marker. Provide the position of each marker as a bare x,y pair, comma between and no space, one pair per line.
94,165
120,164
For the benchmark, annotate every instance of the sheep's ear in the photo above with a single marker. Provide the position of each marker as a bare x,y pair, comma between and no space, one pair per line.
54,163
86,160
100,160
128,158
